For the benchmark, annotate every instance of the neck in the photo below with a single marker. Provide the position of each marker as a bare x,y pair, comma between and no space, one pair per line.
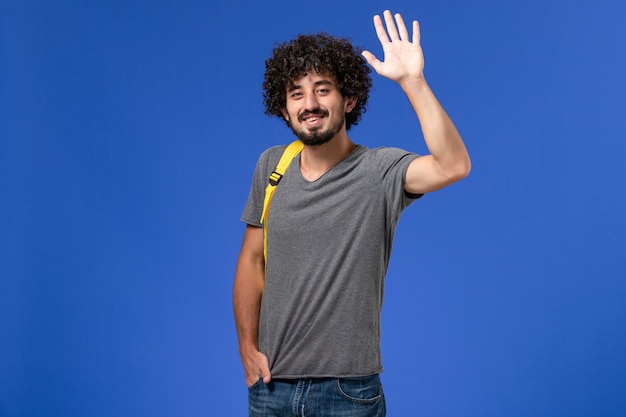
316,160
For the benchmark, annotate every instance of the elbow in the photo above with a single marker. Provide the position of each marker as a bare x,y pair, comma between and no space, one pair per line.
465,167
460,169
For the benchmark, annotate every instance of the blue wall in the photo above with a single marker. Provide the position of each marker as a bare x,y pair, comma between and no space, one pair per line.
128,135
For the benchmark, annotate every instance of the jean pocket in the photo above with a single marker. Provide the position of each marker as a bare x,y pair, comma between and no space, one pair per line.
362,390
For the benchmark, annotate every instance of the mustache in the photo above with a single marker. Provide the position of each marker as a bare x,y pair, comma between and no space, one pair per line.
307,113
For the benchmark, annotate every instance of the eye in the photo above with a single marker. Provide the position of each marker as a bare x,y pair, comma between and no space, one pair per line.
295,95
323,91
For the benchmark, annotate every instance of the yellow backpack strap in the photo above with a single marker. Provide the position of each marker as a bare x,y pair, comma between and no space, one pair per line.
293,149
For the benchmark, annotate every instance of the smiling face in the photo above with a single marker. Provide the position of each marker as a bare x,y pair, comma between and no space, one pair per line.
315,109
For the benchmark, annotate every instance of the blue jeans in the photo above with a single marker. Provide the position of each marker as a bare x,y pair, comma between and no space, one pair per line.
318,397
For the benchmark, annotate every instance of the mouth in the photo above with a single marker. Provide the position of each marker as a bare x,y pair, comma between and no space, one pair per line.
312,119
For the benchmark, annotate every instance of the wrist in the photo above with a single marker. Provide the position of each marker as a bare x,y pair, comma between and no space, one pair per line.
245,348
412,83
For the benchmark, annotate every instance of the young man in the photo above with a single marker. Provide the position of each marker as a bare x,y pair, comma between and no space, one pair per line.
308,312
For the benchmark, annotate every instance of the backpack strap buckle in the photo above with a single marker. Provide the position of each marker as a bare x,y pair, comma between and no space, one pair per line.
275,178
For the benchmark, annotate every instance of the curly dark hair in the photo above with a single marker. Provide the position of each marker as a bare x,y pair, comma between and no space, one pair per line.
321,53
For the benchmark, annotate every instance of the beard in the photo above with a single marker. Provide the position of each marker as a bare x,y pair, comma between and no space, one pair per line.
317,137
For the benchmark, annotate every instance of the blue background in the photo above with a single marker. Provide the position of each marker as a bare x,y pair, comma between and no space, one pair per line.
128,135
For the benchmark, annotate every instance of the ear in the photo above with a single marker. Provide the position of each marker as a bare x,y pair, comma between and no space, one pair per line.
349,104
285,114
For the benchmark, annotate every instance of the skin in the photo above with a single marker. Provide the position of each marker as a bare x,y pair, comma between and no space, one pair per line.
310,99
247,292
448,161
314,105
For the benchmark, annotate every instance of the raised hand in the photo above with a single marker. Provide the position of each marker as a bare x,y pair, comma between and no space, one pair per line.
403,57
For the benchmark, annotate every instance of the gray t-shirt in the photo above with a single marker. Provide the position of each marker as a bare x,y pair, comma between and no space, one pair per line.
328,247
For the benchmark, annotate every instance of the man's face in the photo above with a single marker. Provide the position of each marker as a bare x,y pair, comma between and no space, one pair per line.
315,109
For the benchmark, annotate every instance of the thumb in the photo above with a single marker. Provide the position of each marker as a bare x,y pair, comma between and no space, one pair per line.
267,378
371,59
265,369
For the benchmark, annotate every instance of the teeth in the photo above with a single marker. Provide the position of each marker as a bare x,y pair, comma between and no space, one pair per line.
311,119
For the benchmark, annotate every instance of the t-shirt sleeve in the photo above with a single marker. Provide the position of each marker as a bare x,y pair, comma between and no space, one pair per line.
254,204
393,164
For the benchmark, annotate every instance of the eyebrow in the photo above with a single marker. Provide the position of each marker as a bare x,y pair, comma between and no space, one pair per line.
293,86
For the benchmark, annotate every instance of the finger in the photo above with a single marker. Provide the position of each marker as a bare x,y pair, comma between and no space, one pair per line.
404,33
252,378
380,30
371,59
391,26
416,32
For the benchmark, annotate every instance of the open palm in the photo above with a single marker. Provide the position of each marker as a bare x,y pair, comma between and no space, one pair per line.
403,57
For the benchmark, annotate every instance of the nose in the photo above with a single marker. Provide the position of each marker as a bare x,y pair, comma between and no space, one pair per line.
310,101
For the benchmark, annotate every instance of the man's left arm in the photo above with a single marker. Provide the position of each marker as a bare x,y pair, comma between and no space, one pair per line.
448,160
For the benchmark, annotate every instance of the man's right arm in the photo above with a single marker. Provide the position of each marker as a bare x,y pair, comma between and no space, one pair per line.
247,293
